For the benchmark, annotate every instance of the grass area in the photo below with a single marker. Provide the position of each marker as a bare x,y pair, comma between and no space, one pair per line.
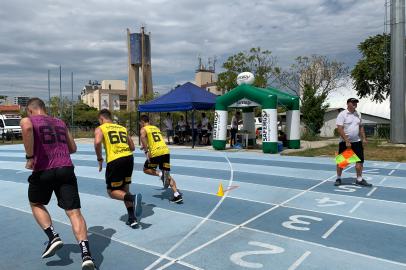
14,141
372,151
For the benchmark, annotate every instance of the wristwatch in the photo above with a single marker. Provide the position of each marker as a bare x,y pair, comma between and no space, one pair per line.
29,157
100,159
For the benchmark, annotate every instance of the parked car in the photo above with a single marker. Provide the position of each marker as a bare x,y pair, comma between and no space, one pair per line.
10,126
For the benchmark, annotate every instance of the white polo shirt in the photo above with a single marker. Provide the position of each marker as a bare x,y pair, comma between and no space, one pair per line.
351,123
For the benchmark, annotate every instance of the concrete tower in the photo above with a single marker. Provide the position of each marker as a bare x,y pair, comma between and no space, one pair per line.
139,59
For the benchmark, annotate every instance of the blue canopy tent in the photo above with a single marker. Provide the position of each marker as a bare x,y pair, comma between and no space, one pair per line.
187,97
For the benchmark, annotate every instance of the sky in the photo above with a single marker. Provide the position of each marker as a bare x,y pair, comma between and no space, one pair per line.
88,37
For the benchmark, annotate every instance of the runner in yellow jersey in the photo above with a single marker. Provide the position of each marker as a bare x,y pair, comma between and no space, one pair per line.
118,146
158,154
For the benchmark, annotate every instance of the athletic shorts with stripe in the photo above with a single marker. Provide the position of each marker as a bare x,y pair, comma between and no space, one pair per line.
163,162
119,172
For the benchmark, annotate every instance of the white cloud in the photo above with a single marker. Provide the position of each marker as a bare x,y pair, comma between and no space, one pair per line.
89,37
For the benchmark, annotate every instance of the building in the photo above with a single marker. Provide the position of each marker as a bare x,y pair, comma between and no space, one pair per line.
10,109
22,101
370,122
373,114
206,77
110,94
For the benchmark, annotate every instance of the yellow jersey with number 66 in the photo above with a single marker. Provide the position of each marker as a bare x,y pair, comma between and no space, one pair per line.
115,141
156,144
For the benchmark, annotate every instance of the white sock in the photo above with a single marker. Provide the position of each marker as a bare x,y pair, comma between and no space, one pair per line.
176,194
359,178
339,177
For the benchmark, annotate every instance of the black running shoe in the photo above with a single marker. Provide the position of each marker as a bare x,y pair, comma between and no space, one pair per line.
137,205
177,199
363,183
337,182
52,247
132,222
88,263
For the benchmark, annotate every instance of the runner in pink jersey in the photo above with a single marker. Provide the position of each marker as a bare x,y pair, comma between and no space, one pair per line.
48,145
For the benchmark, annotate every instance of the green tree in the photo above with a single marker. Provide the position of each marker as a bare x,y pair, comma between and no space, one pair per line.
261,63
371,74
313,79
313,109
317,72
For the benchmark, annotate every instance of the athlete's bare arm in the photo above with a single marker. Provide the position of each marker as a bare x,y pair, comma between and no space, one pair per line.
130,142
98,139
71,143
28,140
144,140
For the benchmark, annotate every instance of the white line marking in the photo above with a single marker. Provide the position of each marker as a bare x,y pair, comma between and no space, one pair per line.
248,221
356,206
397,166
299,261
372,191
383,180
332,229
392,171
327,247
112,238
180,242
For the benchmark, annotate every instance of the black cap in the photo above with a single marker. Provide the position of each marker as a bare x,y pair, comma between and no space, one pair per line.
352,100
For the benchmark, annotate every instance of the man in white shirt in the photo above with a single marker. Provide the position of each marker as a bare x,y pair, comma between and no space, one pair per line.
182,129
169,127
352,135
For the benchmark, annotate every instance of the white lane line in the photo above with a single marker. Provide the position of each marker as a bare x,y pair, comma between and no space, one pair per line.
392,171
180,242
356,206
246,222
112,238
372,191
299,261
383,180
397,166
327,247
332,229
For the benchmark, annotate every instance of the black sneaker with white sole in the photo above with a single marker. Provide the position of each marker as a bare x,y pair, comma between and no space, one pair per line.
88,263
363,183
177,199
337,182
132,222
53,245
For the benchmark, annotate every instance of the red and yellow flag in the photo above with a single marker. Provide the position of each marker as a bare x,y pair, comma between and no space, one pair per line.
347,157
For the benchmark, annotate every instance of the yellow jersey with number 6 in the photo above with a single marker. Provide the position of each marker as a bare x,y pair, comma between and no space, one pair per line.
156,144
115,141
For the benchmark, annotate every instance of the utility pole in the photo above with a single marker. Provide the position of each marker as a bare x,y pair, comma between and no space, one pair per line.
397,70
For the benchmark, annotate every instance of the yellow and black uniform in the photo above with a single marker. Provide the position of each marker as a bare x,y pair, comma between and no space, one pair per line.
159,151
119,157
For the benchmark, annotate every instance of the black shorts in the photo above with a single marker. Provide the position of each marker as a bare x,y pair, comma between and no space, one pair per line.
355,146
119,172
62,181
164,163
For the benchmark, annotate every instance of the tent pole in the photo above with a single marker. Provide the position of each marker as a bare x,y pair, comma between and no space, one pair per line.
139,128
193,129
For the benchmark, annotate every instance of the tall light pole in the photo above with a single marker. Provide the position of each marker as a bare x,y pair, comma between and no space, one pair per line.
397,70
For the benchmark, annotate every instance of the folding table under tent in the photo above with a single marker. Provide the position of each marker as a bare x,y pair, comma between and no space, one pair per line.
187,97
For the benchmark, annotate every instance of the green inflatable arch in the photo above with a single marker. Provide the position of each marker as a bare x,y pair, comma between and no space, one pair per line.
247,97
